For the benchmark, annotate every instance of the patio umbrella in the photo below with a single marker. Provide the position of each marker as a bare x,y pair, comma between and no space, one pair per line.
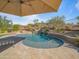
28,7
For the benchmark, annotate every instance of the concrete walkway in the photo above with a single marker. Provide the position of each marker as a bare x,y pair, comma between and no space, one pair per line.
7,42
19,51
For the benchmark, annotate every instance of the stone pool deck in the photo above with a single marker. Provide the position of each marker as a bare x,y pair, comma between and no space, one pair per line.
19,51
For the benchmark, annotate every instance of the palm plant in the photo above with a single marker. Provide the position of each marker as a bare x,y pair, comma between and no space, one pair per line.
36,21
37,24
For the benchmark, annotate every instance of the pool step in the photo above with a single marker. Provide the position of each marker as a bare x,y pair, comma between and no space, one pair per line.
10,40
6,43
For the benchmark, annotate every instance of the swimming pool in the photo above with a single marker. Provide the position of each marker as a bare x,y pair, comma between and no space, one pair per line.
37,41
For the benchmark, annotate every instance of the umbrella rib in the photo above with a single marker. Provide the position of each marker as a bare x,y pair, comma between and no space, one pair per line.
30,5
20,9
25,4
48,5
4,6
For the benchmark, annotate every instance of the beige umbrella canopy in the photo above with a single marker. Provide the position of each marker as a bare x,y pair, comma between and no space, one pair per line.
28,7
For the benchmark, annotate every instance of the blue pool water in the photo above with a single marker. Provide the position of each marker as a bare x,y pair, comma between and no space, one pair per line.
39,41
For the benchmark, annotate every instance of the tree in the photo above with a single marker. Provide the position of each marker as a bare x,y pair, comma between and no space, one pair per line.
16,27
29,27
57,23
36,21
5,24
77,19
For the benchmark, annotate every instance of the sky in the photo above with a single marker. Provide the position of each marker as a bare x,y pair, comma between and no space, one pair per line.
68,8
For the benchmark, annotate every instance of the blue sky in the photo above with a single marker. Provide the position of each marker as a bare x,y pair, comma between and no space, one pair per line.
68,8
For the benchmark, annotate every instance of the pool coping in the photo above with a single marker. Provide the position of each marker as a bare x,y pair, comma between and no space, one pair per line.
6,36
63,37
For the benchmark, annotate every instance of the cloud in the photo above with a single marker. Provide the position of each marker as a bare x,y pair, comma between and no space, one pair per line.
77,5
30,19
21,20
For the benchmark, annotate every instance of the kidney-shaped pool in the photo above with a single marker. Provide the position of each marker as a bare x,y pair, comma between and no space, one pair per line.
38,41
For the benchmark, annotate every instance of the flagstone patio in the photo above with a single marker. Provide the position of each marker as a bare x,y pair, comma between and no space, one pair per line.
19,51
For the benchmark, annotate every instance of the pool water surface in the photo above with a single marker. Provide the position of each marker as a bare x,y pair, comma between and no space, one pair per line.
38,41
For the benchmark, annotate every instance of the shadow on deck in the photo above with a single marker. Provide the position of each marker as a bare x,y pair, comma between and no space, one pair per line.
68,41
7,42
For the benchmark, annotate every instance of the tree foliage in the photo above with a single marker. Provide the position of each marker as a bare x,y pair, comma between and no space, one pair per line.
57,23
77,19
16,27
5,24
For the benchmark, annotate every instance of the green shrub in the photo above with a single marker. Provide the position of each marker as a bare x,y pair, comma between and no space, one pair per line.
77,40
